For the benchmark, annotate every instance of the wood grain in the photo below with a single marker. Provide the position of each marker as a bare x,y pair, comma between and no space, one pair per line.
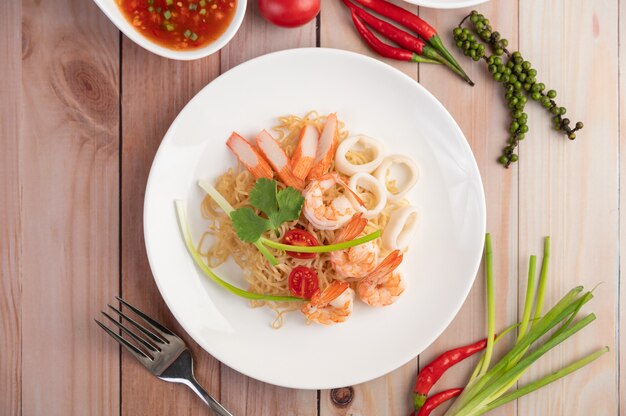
10,207
243,395
69,179
64,204
154,90
389,394
621,309
569,190
257,37
481,113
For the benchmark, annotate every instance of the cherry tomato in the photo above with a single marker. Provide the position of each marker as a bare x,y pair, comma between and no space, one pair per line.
303,282
298,237
289,13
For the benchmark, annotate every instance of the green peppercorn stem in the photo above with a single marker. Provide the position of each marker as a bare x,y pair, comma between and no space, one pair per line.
435,42
517,76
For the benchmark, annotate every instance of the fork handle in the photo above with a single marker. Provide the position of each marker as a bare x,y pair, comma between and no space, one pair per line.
217,408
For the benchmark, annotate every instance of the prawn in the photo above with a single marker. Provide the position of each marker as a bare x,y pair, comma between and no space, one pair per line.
331,306
385,284
323,216
358,261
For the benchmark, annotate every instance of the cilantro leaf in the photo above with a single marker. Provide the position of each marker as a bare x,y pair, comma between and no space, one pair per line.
248,226
289,206
281,206
263,196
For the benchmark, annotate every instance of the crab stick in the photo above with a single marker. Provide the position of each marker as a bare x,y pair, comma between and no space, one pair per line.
278,159
249,157
325,147
304,155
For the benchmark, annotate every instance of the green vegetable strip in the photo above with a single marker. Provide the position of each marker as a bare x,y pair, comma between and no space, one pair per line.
555,315
322,249
228,209
182,222
541,290
491,306
495,341
552,318
545,380
530,297
475,405
572,315
269,256
217,197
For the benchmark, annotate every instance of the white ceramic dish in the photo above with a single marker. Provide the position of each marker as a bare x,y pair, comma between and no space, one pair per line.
446,4
372,98
113,12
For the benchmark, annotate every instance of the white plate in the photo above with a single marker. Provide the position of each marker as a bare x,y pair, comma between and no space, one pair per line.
446,4
372,98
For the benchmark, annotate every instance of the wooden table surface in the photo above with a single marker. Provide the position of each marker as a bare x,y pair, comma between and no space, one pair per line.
84,109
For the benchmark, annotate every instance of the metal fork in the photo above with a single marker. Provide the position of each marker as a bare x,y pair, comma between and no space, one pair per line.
161,351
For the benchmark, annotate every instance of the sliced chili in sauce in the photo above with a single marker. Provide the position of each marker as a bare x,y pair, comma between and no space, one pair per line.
180,24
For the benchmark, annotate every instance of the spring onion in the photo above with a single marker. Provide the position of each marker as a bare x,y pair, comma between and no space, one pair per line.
184,228
488,386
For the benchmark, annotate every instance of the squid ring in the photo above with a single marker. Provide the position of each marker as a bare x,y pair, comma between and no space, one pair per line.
383,171
370,183
348,168
401,228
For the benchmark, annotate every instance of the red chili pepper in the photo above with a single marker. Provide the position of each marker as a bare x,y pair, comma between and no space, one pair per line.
402,38
401,16
413,22
380,47
433,371
435,401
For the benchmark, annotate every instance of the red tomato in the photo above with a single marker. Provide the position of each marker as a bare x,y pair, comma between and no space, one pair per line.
298,237
303,282
289,13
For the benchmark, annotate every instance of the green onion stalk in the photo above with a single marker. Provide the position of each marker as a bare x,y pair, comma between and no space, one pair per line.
184,228
488,386
263,242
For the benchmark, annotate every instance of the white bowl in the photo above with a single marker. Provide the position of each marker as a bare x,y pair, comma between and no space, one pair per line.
115,15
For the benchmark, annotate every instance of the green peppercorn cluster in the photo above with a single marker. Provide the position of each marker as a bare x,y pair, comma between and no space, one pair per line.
517,77
466,41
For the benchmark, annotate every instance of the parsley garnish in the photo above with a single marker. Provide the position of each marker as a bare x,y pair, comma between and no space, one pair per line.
279,207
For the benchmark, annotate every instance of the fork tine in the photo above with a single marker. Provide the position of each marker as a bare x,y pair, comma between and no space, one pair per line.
134,336
140,355
146,318
146,331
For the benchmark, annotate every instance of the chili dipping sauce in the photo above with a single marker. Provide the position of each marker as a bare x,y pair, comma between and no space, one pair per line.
179,24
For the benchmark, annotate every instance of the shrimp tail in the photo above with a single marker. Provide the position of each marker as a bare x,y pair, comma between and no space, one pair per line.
304,155
249,157
354,194
331,293
352,229
278,159
325,147
386,267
